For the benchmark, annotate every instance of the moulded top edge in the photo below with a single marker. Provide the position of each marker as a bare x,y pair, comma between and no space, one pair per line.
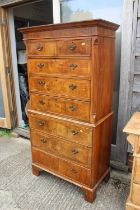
78,24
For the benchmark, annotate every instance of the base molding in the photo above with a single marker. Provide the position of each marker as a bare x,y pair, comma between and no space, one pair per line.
89,193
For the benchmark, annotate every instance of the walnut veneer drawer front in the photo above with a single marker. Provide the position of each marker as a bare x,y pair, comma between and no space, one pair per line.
66,149
61,87
75,133
70,67
44,47
74,47
72,108
137,170
136,194
62,167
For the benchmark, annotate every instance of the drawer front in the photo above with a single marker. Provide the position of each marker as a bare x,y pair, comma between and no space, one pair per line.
46,48
61,87
72,108
136,194
72,132
65,168
137,170
74,47
65,149
70,67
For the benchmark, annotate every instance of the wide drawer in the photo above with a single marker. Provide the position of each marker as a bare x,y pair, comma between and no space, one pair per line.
61,167
74,47
70,67
58,147
72,132
136,194
137,170
72,108
44,47
61,87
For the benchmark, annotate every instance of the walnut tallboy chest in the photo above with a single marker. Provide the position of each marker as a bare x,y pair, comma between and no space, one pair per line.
70,72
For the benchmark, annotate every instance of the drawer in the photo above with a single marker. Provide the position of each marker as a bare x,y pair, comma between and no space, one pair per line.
136,194
78,134
44,47
70,67
72,108
137,170
64,168
73,47
58,147
61,87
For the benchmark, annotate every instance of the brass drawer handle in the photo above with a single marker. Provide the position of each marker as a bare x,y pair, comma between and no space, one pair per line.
41,102
42,83
72,107
75,151
39,47
74,171
74,132
44,141
40,65
72,86
40,123
73,66
72,46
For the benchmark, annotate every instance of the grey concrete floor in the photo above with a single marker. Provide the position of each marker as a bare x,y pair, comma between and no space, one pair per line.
19,189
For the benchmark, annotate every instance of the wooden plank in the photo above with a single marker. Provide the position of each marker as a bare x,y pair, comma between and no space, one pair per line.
137,65
133,126
3,64
136,83
8,3
126,77
135,101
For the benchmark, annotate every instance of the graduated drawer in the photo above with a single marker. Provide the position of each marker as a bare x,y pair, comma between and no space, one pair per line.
62,148
70,67
72,108
43,47
78,134
61,167
61,87
74,47
135,196
137,170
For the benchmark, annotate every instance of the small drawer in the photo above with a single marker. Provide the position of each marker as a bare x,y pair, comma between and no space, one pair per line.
70,131
58,147
72,108
137,170
135,196
75,47
61,87
44,48
62,167
70,67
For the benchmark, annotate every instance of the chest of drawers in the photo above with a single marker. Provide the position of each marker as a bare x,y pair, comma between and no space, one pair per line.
133,130
70,71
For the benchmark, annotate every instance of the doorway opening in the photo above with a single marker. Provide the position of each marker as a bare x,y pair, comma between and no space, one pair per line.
28,15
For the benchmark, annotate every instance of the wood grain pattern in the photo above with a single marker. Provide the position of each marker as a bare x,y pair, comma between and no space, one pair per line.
61,106
73,132
61,148
70,70
132,128
65,87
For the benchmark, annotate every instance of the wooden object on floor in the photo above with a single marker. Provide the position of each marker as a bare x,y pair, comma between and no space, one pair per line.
70,72
133,129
